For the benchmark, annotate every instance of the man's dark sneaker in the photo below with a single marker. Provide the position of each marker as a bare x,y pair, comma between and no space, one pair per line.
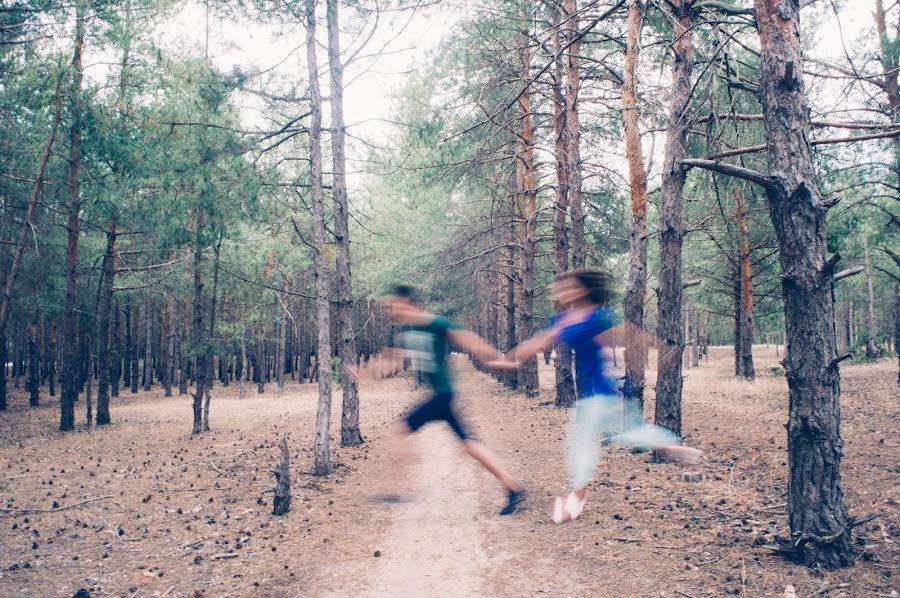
513,498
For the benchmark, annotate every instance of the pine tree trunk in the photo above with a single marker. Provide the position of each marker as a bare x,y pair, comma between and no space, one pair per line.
103,317
350,432
695,338
70,307
562,363
282,334
4,356
170,342
573,131
636,287
126,371
872,326
33,380
746,369
322,463
671,234
148,348
210,357
527,199
183,358
243,376
819,523
198,332
115,352
135,352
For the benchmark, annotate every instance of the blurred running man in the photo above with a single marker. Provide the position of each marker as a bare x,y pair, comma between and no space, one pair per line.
586,326
425,339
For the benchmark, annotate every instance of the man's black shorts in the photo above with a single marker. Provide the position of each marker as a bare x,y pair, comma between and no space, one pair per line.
438,408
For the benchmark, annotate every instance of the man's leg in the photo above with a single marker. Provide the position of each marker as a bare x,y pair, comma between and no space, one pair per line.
483,455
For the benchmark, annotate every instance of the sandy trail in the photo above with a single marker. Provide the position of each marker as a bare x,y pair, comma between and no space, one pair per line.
433,543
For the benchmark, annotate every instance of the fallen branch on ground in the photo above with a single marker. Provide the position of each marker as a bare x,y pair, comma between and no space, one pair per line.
57,509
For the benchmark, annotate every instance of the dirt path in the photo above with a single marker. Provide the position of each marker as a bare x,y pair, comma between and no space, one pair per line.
433,545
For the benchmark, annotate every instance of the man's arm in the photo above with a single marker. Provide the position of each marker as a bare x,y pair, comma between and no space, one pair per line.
537,343
473,344
385,364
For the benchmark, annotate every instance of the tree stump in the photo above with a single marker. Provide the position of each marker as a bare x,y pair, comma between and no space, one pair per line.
282,502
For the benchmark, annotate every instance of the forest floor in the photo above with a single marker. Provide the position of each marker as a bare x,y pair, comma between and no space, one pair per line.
181,516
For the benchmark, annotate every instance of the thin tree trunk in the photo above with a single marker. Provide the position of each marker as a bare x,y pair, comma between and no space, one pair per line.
135,352
746,318
33,380
183,358
282,333
350,432
573,131
148,348
322,463
170,342
210,359
115,352
243,377
695,338
819,523
872,326
70,324
106,297
126,372
636,287
671,234
198,332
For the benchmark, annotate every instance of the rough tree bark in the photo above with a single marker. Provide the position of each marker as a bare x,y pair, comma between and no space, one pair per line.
198,341
820,526
211,334
33,379
527,200
281,503
350,433
636,287
562,363
73,208
135,352
573,131
106,297
745,321
322,462
671,233
148,348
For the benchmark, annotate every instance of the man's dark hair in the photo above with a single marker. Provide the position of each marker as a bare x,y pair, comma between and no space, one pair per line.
405,291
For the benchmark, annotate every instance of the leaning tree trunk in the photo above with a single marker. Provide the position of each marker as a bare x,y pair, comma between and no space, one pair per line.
820,527
350,433
10,277
106,296
73,219
527,195
745,321
562,363
636,287
671,233
322,463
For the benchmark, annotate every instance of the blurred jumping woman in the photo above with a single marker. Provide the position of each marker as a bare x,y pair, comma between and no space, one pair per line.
586,326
